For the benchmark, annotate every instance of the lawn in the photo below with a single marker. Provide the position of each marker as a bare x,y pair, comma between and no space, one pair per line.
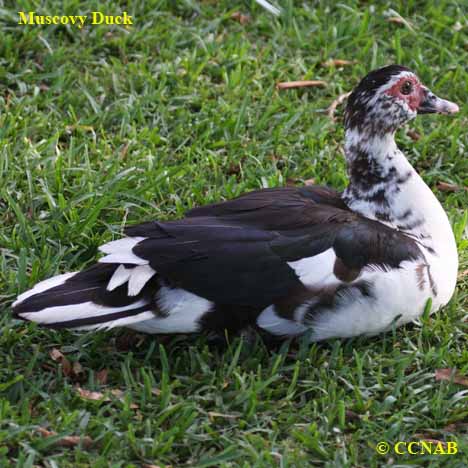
108,126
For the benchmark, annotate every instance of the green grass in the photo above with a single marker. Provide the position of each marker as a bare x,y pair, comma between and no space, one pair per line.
105,127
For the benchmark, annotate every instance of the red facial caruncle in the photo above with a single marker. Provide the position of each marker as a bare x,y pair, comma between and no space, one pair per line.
409,89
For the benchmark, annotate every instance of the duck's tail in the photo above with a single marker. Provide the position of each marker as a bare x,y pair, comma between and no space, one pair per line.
103,296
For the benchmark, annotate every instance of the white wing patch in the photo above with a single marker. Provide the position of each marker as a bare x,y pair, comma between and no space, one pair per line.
120,276
123,257
139,276
120,251
316,270
120,245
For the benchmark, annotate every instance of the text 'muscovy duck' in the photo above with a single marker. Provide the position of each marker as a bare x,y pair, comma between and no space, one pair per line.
286,260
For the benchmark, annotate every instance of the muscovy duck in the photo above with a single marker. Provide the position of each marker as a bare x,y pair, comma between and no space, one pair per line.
286,260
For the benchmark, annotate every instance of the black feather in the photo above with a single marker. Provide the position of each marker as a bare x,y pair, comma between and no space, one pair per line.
237,252
89,285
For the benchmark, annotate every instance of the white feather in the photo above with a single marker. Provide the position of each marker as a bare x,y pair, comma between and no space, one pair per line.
43,286
59,314
316,270
117,246
121,251
183,310
364,315
119,277
138,278
270,321
123,257
125,321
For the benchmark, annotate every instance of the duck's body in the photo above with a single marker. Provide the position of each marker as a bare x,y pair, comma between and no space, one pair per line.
287,260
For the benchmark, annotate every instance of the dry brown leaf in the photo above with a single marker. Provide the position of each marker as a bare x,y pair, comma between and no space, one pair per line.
90,395
241,18
461,380
72,370
58,356
101,376
414,135
124,151
462,274
309,182
156,391
451,375
120,394
301,84
67,441
117,392
446,187
338,101
99,396
338,63
396,20
401,21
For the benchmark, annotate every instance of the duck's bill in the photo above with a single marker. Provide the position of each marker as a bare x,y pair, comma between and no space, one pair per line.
432,104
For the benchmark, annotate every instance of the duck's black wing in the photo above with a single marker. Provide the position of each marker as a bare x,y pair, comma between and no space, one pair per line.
240,252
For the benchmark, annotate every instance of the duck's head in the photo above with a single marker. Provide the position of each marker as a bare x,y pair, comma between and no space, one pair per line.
389,97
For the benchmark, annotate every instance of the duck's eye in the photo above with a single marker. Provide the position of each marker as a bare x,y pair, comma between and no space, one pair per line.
407,87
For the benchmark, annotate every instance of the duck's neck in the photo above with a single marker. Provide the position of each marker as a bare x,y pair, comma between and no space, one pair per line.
384,186
377,171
